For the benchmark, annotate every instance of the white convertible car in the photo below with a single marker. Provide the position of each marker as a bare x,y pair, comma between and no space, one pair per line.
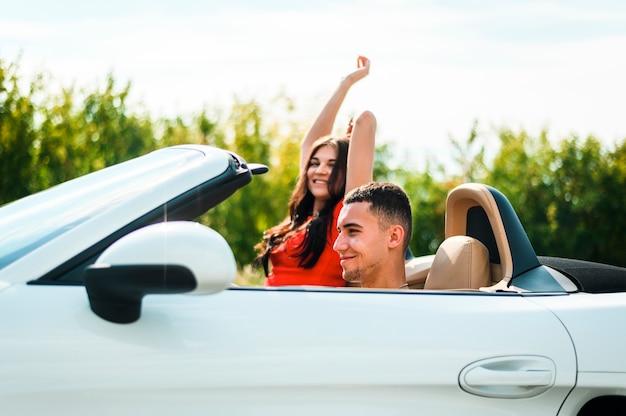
112,301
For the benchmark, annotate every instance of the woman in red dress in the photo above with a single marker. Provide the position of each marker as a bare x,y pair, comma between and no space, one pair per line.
299,250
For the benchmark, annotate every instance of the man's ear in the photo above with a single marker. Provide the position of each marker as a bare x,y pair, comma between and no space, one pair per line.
396,236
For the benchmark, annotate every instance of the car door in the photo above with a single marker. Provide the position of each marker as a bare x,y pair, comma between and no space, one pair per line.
284,351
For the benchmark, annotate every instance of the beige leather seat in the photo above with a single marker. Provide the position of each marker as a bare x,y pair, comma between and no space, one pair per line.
461,262
472,210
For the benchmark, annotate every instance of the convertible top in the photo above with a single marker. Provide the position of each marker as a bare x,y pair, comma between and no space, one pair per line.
590,277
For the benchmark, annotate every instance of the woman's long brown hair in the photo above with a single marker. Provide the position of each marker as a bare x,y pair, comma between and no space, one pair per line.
301,209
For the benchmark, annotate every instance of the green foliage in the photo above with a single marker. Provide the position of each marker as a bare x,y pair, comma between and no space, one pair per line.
470,160
567,194
18,135
45,141
568,197
239,218
427,196
428,203
107,133
582,214
244,217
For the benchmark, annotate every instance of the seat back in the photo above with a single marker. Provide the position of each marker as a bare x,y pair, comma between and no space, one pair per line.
472,210
483,212
461,262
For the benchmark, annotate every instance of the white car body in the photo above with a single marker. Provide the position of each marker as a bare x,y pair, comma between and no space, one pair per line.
292,350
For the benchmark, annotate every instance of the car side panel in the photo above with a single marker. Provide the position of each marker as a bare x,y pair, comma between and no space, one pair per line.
596,324
256,351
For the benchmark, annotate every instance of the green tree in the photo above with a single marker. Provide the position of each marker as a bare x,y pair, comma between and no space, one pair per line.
470,156
580,213
613,181
109,134
428,203
57,152
567,198
201,130
46,139
244,216
18,134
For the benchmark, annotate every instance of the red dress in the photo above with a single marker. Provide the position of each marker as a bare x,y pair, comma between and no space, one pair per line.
326,272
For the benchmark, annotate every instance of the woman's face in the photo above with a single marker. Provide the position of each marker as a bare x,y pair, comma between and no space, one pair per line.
318,172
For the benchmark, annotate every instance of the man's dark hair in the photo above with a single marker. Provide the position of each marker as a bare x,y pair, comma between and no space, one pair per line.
389,203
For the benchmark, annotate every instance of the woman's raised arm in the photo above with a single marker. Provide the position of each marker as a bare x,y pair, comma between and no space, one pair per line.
324,122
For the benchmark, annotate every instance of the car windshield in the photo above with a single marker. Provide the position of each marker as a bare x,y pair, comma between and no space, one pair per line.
30,222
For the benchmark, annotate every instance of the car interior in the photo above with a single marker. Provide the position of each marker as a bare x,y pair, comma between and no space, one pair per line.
485,247
470,257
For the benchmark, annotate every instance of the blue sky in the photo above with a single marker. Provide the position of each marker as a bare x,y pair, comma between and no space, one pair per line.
436,65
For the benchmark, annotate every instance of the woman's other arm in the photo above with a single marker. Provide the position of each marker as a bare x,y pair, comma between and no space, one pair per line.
360,169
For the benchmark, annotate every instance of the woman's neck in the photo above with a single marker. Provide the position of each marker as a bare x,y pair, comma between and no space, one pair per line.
318,206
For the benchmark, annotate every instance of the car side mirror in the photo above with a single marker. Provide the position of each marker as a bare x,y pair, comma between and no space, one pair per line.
164,258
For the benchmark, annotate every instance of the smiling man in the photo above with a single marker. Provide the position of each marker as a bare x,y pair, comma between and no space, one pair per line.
375,227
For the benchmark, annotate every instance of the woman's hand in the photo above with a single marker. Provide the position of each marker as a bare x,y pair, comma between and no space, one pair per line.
363,68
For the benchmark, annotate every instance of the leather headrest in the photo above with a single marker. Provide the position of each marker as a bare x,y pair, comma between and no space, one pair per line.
461,262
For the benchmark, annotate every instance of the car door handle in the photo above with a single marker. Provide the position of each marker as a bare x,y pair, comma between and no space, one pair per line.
522,377
508,377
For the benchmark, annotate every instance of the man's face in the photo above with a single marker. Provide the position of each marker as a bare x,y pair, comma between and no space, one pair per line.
361,244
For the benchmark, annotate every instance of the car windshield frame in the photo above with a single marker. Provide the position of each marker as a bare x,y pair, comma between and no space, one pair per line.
35,220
